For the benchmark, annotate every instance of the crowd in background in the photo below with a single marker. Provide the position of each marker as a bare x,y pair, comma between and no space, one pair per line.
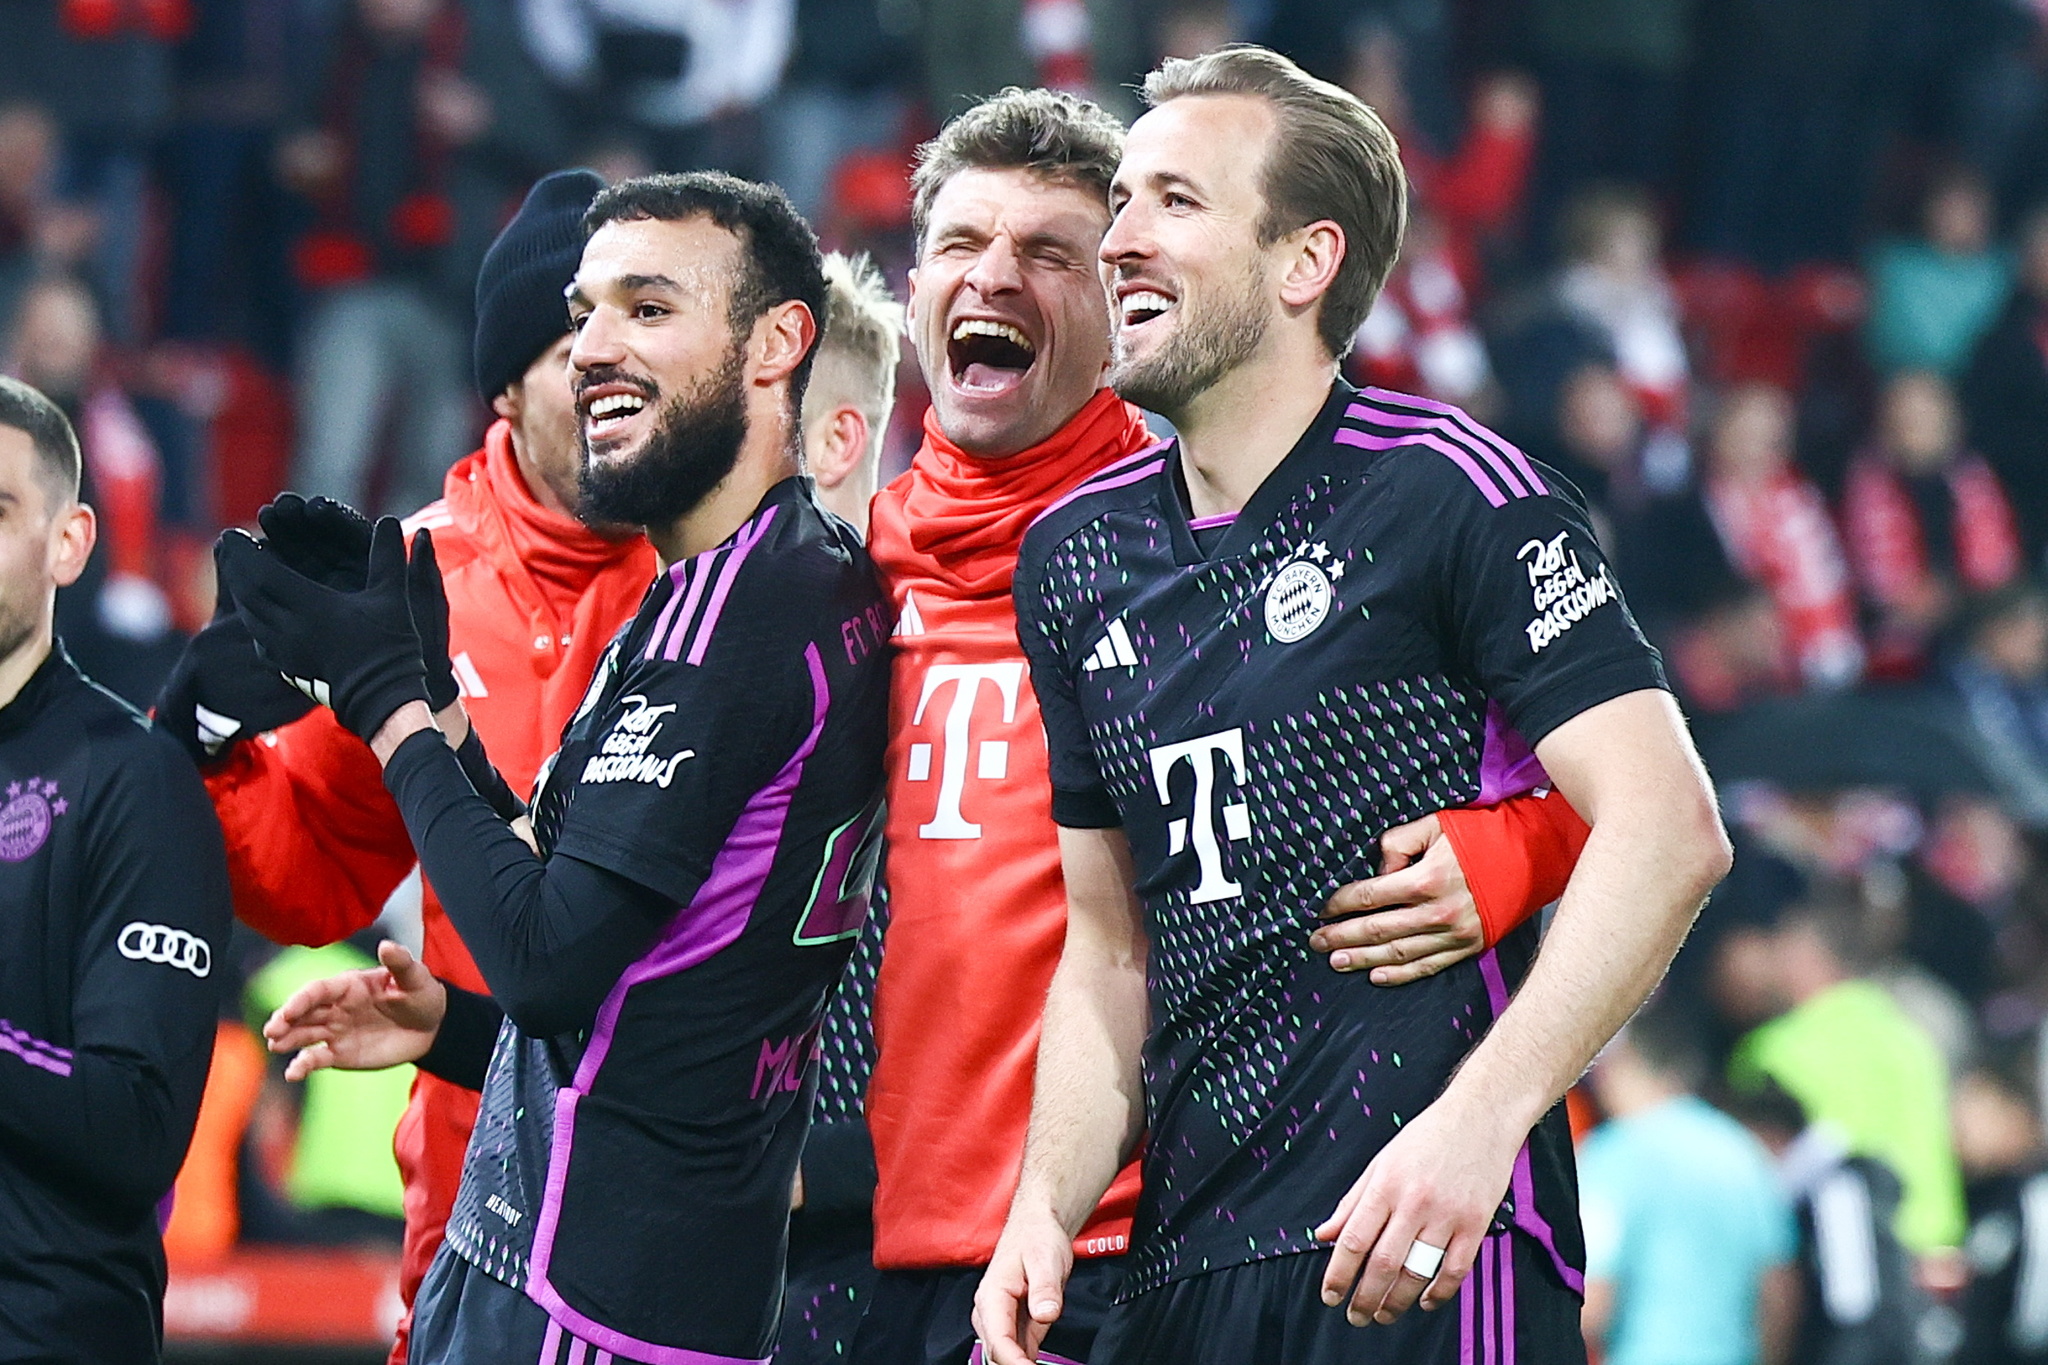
1767,278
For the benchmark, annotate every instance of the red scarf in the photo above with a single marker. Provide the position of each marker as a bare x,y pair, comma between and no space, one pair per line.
960,518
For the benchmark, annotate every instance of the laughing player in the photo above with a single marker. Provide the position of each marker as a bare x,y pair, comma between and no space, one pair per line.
1010,325
1327,612
661,964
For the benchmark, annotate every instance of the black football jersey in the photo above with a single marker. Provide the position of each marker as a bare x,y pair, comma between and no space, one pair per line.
1402,609
635,1178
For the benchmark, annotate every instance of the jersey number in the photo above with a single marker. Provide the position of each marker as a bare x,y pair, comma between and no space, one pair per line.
846,882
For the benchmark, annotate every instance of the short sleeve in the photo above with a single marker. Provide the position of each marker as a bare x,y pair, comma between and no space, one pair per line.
681,753
1080,798
1533,606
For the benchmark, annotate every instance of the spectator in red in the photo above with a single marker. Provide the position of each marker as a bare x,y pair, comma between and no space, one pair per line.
116,620
1927,522
1613,277
1419,337
374,155
2005,389
1475,191
1774,528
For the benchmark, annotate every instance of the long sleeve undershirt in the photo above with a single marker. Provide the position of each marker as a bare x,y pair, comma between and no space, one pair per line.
551,936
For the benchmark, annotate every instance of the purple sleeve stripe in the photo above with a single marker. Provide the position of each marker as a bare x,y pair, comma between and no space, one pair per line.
1460,418
1367,441
672,643
710,923
678,576
743,544
55,1065
30,1040
1388,417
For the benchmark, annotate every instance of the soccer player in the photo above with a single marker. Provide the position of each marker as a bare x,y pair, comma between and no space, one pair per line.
853,386
1342,610
1011,328
315,844
704,834
116,903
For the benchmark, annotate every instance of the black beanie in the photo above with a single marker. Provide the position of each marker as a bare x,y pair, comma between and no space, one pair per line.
519,307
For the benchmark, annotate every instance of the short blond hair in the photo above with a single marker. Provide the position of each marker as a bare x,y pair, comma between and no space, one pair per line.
861,342
1332,158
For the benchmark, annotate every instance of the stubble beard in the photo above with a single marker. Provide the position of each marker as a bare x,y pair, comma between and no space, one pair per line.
1209,344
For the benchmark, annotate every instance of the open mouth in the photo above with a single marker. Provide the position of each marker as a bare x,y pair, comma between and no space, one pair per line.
1141,306
608,409
987,356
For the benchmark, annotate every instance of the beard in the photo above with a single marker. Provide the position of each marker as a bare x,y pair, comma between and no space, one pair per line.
694,446
1208,344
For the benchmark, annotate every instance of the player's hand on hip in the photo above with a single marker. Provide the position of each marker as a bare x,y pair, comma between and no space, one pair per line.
362,1020
1438,1183
1023,1288
1414,919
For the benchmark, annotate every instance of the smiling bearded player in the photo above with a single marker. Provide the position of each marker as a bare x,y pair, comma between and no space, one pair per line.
1345,608
658,956
1011,327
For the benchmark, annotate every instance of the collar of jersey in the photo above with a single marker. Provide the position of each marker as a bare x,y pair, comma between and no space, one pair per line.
1267,502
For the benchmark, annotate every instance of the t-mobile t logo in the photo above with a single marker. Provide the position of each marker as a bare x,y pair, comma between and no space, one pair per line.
991,756
1237,817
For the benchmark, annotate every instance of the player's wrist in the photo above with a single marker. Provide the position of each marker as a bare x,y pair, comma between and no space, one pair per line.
408,720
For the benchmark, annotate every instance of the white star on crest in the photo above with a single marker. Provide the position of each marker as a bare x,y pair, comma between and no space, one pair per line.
1337,571
1320,552
13,789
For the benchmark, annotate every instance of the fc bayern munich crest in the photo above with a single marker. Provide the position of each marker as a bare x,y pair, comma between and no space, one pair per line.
1299,597
25,819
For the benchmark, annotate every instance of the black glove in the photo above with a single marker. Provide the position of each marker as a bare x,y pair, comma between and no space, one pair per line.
325,540
220,692
356,652
429,605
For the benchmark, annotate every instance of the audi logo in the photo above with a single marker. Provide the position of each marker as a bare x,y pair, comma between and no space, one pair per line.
171,947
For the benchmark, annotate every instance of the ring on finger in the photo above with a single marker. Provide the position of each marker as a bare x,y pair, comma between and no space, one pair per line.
1423,1260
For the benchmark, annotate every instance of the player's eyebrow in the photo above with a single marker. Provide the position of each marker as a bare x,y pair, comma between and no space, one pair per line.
1157,180
633,282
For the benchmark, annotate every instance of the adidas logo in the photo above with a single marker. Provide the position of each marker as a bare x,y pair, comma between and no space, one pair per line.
1113,650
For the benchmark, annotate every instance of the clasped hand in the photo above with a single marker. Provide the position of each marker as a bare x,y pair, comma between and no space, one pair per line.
337,608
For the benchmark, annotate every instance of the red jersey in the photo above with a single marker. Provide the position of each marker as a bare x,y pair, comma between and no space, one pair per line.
315,843
977,901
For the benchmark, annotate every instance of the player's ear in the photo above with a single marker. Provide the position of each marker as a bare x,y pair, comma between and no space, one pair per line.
782,338
1310,261
841,447
74,530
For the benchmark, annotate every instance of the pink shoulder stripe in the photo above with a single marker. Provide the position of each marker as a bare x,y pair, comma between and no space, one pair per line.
1457,455
1440,426
1110,476
742,545
1462,419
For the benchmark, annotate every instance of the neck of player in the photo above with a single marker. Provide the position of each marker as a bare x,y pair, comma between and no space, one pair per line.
1238,430
767,457
17,668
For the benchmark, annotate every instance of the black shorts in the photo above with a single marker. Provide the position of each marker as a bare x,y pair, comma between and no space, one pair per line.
1513,1310
831,1281
465,1317
925,1317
